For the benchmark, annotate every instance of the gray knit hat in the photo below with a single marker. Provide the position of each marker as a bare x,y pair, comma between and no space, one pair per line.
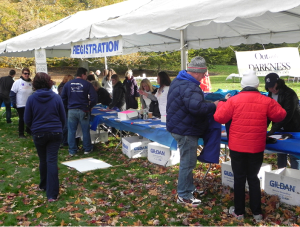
197,65
249,79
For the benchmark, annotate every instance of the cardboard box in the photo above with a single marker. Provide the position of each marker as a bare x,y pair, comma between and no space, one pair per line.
162,155
98,136
285,183
227,174
163,118
135,147
128,114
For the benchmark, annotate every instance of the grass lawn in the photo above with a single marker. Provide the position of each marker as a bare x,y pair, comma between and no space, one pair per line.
133,192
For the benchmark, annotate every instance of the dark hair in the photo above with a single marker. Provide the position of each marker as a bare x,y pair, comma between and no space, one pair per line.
115,77
12,72
164,79
81,71
280,85
25,69
42,80
90,77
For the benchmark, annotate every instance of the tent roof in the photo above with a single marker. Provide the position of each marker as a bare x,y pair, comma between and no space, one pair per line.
152,25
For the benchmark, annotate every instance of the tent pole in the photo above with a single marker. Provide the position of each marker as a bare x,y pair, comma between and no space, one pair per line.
183,50
105,62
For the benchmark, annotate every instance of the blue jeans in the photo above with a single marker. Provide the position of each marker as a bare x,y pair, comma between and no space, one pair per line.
76,116
47,146
7,104
246,166
282,161
188,159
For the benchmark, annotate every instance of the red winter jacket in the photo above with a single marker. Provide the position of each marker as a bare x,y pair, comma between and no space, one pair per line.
249,111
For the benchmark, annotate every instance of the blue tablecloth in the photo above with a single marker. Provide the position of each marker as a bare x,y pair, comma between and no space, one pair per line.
162,136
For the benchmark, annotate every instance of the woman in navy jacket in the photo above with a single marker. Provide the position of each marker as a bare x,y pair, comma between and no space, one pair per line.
45,115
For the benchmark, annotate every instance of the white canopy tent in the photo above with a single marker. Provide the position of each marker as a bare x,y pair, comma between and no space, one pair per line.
166,25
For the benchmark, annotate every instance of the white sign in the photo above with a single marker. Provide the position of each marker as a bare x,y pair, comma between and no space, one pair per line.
40,61
283,61
97,48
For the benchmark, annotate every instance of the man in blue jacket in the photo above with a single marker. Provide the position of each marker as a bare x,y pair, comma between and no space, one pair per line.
187,120
79,96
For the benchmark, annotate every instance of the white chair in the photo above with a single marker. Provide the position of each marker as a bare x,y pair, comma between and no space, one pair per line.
293,78
233,76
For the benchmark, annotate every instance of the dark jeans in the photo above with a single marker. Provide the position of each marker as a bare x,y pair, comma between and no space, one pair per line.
21,121
245,166
47,146
7,104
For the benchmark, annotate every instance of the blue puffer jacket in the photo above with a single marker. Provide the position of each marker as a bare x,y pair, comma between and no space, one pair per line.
187,111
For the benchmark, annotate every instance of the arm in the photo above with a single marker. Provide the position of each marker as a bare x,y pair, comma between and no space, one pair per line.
142,102
13,99
290,105
28,113
93,96
276,114
224,112
62,112
136,88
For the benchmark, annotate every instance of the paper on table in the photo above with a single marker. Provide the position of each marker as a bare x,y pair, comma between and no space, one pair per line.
87,164
276,136
157,126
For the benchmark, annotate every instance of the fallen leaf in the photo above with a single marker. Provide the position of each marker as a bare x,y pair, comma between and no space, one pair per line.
153,192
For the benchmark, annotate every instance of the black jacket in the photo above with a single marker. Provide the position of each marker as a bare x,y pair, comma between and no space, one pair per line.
118,97
289,101
6,83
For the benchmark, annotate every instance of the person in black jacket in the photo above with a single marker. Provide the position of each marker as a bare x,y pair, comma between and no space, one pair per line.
5,86
131,90
103,95
289,101
118,99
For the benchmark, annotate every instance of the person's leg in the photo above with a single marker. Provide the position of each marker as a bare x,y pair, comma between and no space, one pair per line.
40,141
254,162
86,136
21,120
7,109
188,159
293,160
52,173
72,127
281,160
238,164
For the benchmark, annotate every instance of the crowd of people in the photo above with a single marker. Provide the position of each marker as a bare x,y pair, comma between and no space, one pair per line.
56,120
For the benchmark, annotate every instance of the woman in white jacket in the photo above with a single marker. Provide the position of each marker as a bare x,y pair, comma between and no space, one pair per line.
164,82
19,94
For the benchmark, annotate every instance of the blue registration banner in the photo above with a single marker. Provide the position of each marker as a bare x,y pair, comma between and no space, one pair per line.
97,48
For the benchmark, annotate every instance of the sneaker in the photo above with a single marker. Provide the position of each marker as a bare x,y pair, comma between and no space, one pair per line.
258,217
88,152
52,200
71,155
22,136
198,193
191,202
238,217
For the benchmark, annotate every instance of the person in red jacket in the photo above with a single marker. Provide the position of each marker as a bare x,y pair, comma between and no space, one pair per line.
249,111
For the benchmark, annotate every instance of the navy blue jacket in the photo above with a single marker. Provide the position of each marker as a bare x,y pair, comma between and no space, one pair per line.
187,111
44,112
79,94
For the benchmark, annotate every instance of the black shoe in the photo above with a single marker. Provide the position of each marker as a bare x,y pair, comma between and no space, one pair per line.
22,136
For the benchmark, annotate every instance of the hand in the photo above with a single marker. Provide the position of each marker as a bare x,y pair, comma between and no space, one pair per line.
227,96
142,92
216,102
